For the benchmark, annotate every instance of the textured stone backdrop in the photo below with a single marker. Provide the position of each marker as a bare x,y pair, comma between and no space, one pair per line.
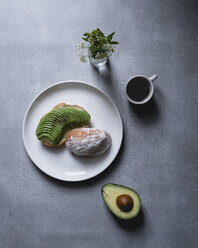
158,158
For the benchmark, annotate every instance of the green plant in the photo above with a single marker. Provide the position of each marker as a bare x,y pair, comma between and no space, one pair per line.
96,45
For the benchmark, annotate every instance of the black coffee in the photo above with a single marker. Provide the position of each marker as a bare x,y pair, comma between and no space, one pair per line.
138,89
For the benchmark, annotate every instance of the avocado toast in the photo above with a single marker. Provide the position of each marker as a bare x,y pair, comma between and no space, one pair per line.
54,126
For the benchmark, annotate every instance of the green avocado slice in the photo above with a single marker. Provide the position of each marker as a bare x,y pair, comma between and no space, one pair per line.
57,122
112,193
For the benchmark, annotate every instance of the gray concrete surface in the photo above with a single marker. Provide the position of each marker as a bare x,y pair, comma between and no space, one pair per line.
158,158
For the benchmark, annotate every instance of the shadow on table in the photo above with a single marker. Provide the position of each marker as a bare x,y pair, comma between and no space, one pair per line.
133,224
109,79
104,72
89,182
148,112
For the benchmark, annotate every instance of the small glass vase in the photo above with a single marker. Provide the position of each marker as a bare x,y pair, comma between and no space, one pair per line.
98,63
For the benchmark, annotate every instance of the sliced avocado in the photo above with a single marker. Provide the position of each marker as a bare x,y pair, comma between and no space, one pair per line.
57,122
122,201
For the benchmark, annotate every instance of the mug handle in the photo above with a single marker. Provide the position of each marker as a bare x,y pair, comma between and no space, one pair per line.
153,78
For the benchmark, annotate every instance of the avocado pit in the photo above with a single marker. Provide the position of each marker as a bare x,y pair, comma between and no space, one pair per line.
124,202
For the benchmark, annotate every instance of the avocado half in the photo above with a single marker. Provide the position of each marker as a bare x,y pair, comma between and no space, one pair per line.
57,122
122,201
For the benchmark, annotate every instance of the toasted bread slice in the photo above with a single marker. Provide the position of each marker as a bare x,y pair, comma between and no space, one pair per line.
64,105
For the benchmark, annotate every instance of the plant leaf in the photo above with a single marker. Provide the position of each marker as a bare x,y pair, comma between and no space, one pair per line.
110,36
113,42
87,34
86,39
100,32
94,32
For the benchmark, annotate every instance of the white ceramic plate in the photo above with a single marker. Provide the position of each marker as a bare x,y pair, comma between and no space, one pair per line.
59,162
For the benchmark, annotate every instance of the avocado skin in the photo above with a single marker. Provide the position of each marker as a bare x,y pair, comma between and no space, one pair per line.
58,121
116,211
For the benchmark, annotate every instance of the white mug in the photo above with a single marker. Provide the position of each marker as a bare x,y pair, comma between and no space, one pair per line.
148,84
